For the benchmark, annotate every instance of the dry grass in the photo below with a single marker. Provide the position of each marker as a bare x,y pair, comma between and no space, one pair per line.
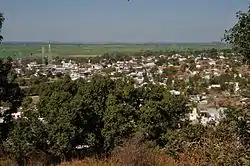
135,153
6,162
143,159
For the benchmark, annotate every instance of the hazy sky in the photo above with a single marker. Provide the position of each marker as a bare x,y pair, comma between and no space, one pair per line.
118,20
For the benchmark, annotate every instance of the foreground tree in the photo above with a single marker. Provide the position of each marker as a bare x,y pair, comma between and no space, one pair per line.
1,25
27,138
158,116
119,122
239,35
10,95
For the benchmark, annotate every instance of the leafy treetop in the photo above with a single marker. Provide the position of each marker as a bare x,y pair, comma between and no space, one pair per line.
239,35
1,25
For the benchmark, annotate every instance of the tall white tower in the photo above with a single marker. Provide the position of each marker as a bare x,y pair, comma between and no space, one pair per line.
49,55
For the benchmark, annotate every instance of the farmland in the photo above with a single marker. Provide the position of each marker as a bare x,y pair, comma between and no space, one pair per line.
22,50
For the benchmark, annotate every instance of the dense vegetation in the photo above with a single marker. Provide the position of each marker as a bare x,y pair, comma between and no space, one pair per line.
100,115
1,25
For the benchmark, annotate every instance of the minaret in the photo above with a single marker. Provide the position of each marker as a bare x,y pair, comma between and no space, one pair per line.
49,56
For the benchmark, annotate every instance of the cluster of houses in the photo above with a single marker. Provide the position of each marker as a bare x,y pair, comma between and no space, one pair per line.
209,107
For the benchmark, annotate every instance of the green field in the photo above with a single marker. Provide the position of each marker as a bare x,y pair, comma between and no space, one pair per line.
81,50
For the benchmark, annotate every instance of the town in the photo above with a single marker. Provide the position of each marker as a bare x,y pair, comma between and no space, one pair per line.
213,81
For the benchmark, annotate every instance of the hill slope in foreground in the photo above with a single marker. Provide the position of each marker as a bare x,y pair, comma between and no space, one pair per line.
135,153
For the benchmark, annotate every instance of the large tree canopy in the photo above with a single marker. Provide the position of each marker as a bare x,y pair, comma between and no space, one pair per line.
1,25
10,94
239,35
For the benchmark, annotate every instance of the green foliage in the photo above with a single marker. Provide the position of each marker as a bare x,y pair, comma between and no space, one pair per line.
158,116
240,118
170,71
59,114
213,52
108,70
1,25
27,101
99,115
216,145
10,94
239,35
176,140
119,122
28,135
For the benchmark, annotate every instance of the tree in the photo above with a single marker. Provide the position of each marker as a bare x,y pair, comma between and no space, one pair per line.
239,35
119,122
11,95
58,113
1,25
73,111
160,115
175,140
27,137
213,52
9,92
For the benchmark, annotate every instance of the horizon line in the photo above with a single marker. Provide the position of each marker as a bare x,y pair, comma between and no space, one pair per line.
58,42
